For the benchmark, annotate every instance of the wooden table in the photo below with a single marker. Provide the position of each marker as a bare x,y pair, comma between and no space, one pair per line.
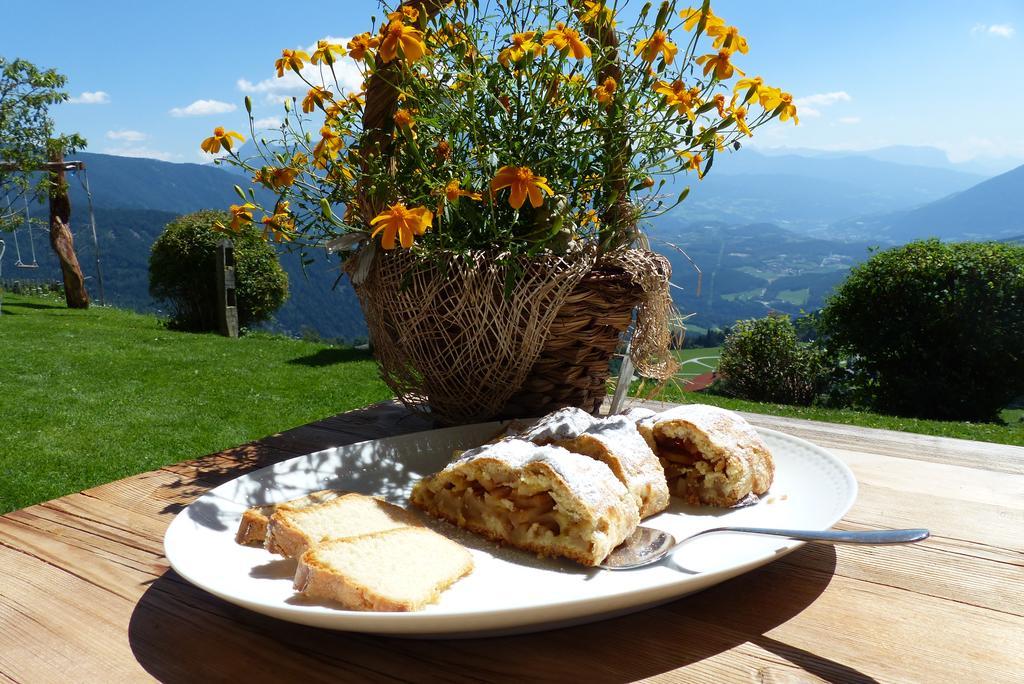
86,594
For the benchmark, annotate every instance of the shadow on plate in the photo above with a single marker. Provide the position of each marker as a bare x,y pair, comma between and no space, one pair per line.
179,633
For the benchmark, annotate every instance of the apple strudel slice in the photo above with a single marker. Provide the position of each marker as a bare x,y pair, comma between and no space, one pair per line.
616,442
542,499
711,456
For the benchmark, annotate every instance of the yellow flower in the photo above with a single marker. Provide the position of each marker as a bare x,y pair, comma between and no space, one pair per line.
521,181
657,43
566,40
740,114
443,151
728,38
591,217
691,17
360,45
280,224
325,52
315,98
605,92
750,86
328,147
453,191
220,138
521,45
598,13
773,99
720,104
241,215
679,96
693,161
720,63
403,119
397,220
290,60
397,35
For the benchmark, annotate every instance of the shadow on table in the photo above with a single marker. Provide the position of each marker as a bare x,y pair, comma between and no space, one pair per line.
179,633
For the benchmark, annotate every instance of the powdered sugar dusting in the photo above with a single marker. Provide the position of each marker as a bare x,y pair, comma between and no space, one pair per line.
566,423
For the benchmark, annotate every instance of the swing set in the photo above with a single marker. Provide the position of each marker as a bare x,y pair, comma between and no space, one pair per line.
77,169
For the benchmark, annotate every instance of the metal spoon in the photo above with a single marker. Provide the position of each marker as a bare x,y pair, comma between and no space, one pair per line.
648,545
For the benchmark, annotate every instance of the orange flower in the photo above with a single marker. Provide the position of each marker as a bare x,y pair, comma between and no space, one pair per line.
522,182
403,119
220,138
773,99
720,104
605,92
740,114
362,44
397,35
752,86
290,60
693,161
397,220
657,43
325,52
315,98
566,40
691,17
597,13
280,224
720,63
453,191
728,38
327,149
409,14
521,44
443,151
679,96
241,215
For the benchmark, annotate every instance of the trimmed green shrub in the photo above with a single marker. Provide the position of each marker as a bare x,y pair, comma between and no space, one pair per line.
937,330
762,360
182,272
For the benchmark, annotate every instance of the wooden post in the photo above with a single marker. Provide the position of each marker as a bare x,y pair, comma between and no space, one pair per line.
61,240
227,305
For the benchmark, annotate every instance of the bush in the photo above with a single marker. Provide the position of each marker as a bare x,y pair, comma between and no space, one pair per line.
762,360
936,329
182,272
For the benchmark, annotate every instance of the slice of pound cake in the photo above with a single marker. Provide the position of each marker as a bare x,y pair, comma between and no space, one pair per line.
252,529
401,569
291,532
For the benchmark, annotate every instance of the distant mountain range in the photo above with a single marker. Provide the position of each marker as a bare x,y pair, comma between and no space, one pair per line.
988,210
768,231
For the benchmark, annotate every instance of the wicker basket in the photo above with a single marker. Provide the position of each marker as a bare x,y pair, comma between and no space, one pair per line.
545,346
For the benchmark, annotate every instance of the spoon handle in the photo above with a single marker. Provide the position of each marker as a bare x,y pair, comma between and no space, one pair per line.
833,536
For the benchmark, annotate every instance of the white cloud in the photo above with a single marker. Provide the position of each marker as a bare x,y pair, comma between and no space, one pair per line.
266,123
1000,30
275,89
849,120
95,97
204,108
127,135
141,151
808,105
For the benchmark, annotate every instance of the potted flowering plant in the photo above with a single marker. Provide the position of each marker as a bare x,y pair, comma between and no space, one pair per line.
489,182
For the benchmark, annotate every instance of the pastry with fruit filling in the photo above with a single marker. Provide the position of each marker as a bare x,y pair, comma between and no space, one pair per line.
542,499
616,442
711,456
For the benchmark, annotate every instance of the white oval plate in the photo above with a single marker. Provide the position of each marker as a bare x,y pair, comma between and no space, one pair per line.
509,591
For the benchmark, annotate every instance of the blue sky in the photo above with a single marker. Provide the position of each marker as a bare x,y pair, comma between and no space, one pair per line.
866,74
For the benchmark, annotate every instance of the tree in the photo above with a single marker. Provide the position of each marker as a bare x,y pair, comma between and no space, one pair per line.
762,360
27,140
937,329
182,272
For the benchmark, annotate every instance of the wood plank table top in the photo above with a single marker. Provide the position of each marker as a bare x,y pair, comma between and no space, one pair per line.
86,594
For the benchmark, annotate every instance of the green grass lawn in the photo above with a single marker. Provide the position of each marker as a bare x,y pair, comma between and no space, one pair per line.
697,361
92,396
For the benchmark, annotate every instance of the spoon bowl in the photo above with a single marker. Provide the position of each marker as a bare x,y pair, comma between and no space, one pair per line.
648,545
